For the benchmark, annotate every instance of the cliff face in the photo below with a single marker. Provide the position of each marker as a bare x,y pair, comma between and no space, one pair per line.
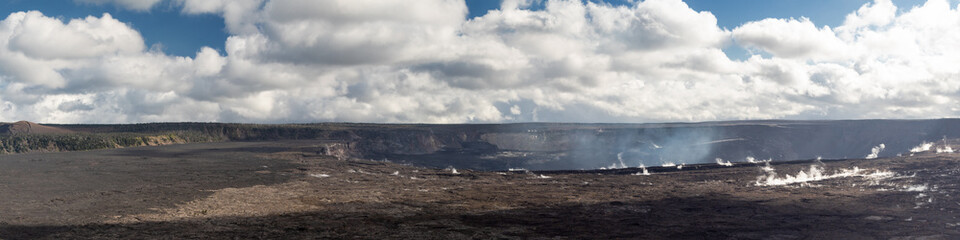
591,146
533,146
23,143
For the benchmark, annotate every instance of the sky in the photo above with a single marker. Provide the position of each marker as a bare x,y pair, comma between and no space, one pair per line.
473,61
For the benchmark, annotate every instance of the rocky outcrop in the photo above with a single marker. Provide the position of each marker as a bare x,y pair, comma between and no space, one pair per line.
340,150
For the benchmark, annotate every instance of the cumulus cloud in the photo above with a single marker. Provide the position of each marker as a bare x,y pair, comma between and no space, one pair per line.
351,32
879,13
37,47
41,37
139,5
424,61
93,69
790,38
240,16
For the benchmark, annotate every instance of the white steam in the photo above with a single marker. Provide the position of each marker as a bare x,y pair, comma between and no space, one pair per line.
767,168
617,165
644,171
923,147
816,173
614,166
620,159
723,163
928,146
875,151
766,164
945,149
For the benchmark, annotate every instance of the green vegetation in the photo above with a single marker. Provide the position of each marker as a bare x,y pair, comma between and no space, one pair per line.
90,137
21,143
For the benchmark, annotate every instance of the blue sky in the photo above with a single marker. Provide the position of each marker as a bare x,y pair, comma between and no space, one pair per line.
184,34
732,13
180,34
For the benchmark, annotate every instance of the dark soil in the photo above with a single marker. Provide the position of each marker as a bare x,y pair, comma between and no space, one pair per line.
285,190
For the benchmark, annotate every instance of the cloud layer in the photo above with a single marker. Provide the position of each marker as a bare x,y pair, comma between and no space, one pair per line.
424,61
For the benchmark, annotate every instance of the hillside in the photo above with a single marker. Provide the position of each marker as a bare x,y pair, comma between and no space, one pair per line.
25,127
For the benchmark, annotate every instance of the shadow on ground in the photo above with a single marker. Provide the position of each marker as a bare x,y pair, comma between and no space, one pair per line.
711,217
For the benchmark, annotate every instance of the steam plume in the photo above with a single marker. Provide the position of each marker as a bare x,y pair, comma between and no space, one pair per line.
875,151
946,147
644,172
723,163
923,147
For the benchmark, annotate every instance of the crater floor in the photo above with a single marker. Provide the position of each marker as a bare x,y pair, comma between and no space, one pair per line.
286,190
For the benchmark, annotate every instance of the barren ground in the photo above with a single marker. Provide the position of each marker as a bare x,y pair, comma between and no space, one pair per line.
286,190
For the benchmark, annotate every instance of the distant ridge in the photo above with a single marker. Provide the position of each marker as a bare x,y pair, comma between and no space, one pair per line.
25,127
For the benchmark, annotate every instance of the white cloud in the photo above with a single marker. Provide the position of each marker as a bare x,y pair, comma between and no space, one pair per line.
37,47
656,25
139,5
94,69
240,16
352,32
880,13
423,61
41,37
790,38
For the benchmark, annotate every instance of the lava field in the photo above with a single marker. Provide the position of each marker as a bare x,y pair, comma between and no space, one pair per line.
289,189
